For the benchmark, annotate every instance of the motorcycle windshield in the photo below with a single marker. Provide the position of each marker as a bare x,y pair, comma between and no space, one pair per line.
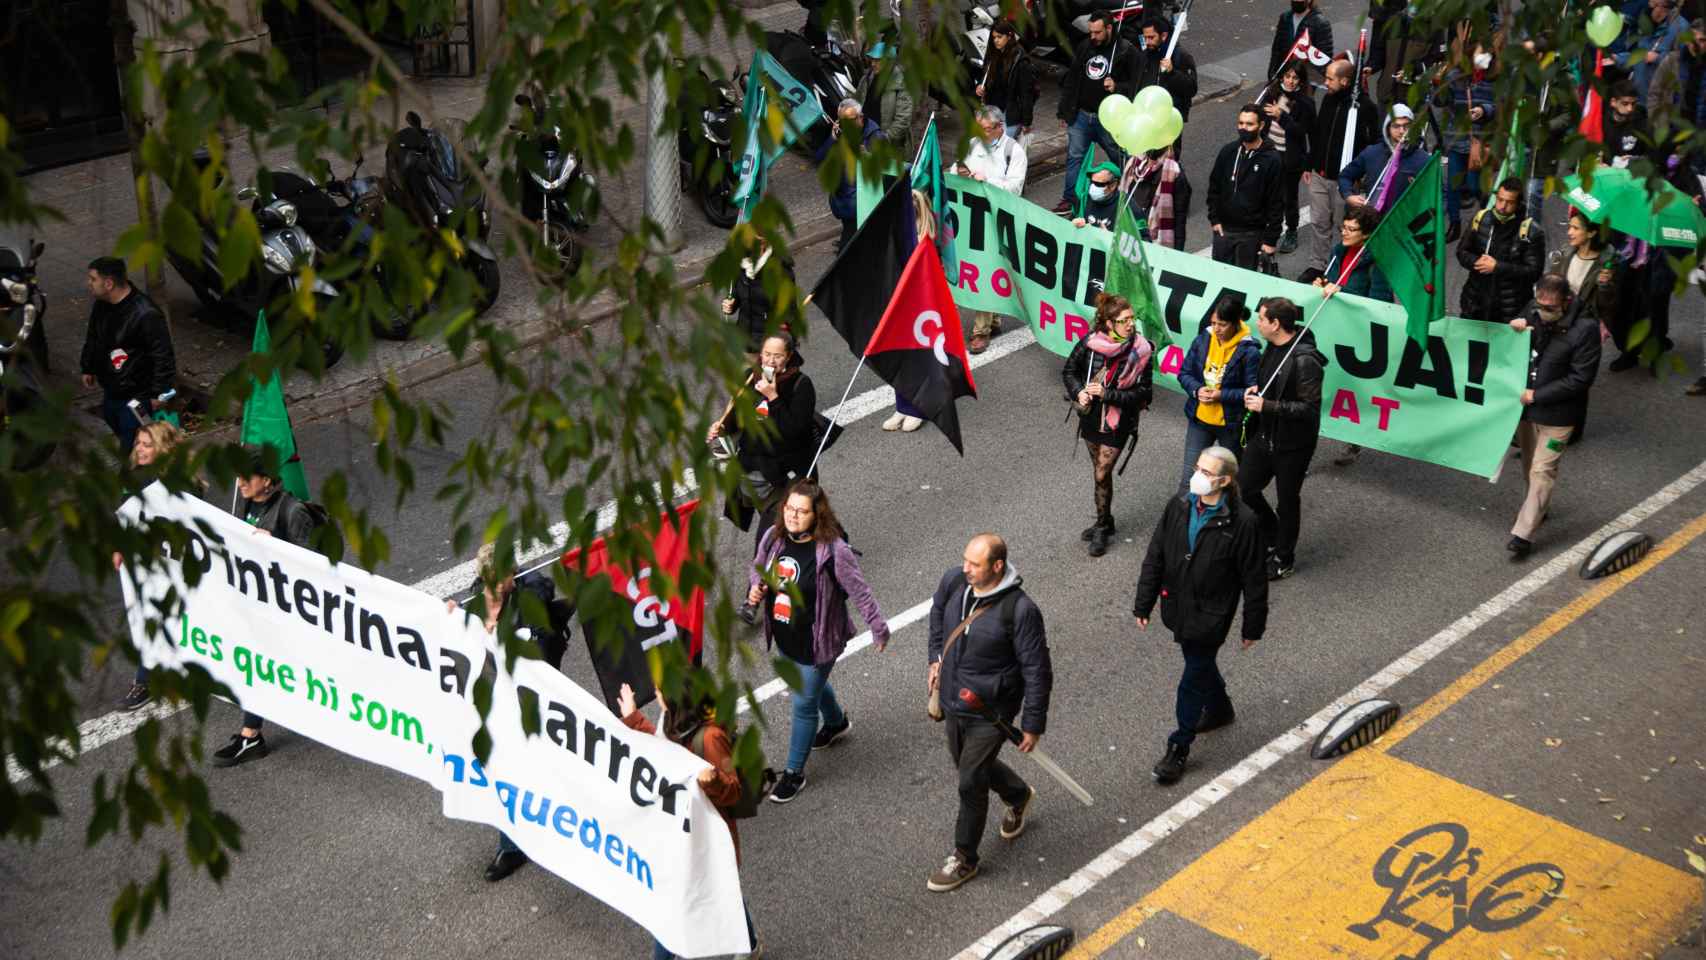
441,150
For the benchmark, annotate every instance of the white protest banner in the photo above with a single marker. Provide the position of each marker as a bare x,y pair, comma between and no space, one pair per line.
383,672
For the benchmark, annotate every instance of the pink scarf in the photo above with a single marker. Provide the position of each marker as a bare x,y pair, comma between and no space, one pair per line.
1159,216
1120,369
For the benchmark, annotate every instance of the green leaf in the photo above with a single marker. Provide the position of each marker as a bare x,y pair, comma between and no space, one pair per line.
239,247
183,234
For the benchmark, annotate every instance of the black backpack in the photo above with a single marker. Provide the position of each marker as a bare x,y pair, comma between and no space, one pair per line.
751,794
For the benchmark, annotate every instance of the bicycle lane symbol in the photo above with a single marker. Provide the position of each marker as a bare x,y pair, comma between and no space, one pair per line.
1435,867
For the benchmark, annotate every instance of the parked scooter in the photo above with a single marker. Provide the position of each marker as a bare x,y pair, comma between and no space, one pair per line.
286,249
708,165
427,180
336,216
23,349
834,71
557,193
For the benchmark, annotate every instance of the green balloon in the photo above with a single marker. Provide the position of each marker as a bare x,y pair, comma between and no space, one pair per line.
1175,124
1115,112
1143,134
1153,97
1604,26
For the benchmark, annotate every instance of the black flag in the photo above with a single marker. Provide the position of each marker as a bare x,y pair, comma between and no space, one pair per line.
856,289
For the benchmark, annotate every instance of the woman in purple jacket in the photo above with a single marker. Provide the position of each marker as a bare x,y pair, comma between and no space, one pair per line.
807,556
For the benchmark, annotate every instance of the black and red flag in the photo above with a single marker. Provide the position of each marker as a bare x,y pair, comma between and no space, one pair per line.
918,346
651,621
888,297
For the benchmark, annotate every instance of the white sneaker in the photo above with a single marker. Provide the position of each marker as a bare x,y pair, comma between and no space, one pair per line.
910,424
893,422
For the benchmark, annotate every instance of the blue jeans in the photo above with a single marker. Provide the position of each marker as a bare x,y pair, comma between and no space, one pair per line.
1536,198
1460,184
814,699
1084,130
1013,130
1200,436
659,952
1201,689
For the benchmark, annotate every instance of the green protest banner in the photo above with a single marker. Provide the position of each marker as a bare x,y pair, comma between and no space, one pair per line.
1453,402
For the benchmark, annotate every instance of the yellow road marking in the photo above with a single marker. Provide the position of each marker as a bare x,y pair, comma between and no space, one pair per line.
1129,919
1543,631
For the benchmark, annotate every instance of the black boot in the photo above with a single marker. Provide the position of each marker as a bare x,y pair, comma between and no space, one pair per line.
1100,534
1172,766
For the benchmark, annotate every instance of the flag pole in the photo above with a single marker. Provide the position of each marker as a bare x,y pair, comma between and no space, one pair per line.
1178,28
835,415
1344,275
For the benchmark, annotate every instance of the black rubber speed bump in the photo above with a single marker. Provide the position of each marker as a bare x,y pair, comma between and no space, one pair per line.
1041,942
1356,726
1617,552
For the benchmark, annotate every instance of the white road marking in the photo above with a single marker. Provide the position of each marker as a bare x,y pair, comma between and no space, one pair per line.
1222,786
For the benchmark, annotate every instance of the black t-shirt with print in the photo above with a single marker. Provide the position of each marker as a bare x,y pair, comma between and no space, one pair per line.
790,623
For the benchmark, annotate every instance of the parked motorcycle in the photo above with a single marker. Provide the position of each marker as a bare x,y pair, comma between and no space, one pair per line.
834,71
427,180
23,349
337,216
286,248
557,193
708,165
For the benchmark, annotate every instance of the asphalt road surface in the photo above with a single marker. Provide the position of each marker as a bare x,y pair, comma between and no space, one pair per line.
343,859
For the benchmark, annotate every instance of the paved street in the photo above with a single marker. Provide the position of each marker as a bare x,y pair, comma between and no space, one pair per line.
1555,721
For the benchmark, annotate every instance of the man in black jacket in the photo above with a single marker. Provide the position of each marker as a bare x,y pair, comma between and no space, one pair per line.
986,637
1176,74
1327,150
1245,194
1504,252
1103,65
1205,552
1563,355
128,349
1285,422
1302,16
274,512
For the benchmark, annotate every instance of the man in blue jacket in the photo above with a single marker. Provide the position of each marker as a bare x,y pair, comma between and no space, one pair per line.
986,637
1360,178
843,201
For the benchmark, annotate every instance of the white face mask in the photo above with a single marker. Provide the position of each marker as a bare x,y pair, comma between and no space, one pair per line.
769,374
1100,193
1201,485
1483,61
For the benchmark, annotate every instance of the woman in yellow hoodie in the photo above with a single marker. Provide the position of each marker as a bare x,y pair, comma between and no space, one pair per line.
1222,361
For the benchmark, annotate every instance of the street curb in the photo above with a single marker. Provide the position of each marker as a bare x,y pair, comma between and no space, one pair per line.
1050,158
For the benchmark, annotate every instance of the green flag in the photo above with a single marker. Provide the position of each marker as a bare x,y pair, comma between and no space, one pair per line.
1409,247
1515,163
757,152
1129,276
1081,186
266,422
927,178
754,168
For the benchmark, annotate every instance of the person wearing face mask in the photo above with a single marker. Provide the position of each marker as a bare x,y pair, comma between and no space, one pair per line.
1326,150
1157,185
1104,64
1109,380
1217,369
1205,553
861,130
886,100
1504,252
1099,204
1466,97
1246,194
1290,109
1563,362
1302,16
780,394
998,160
1366,178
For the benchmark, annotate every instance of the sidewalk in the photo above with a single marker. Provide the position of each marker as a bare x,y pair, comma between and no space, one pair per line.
98,202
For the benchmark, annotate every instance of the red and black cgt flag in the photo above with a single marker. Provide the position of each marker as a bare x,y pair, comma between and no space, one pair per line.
652,621
862,279
918,346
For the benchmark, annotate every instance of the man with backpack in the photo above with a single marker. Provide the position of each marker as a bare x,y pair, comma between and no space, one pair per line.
1504,252
274,512
1103,65
989,664
494,593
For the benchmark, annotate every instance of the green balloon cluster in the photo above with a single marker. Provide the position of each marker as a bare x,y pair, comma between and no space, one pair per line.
1147,122
1604,26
